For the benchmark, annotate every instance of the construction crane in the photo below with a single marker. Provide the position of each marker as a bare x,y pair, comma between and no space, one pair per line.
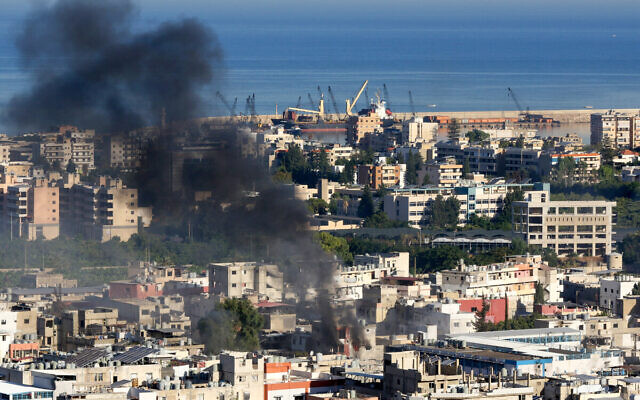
523,114
333,101
250,106
352,102
232,109
386,95
319,112
411,105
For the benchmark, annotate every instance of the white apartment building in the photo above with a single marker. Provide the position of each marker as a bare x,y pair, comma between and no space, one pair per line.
614,289
566,227
591,160
446,316
514,278
446,174
412,204
369,269
237,279
615,129
417,130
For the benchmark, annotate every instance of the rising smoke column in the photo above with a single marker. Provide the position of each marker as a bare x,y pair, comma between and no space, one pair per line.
89,68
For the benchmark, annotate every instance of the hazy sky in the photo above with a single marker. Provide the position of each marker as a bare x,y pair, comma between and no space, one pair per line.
494,12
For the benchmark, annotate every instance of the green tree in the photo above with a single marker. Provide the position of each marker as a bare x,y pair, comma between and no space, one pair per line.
366,206
466,170
318,206
520,142
234,324
481,324
382,221
335,245
443,213
71,167
635,291
477,136
538,297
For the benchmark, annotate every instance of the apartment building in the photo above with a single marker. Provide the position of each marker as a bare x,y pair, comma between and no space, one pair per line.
419,131
480,159
361,126
238,279
590,160
103,212
567,227
615,129
515,278
412,204
444,174
124,151
534,161
31,211
367,270
69,145
614,289
338,153
376,176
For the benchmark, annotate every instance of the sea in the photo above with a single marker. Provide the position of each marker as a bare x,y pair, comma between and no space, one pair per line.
447,67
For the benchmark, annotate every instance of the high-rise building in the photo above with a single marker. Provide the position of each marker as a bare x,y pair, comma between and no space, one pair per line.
615,129
566,227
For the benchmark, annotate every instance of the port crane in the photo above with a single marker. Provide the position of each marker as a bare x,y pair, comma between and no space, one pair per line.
352,102
333,101
523,114
231,108
299,104
319,112
312,103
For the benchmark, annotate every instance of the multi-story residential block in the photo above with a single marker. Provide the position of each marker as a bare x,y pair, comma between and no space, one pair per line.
515,278
376,176
368,270
412,204
124,151
566,227
614,289
417,130
246,278
338,152
360,126
103,212
533,161
591,161
32,211
69,145
444,174
480,159
615,129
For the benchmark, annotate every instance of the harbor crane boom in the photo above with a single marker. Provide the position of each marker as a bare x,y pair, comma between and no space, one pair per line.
333,101
319,111
352,102
232,109
511,94
299,104
312,103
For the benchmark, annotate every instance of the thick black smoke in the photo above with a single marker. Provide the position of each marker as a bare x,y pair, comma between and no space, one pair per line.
90,69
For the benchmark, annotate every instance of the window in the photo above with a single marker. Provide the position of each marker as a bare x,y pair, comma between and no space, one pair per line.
26,320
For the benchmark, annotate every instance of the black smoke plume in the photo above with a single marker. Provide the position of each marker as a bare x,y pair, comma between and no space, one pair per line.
92,70
89,68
